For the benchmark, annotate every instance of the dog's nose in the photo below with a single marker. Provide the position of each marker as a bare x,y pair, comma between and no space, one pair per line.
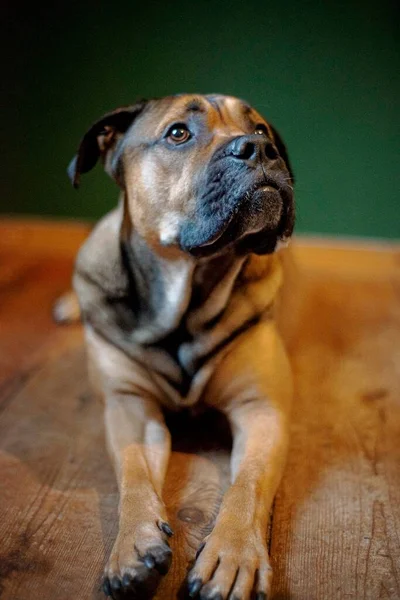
252,149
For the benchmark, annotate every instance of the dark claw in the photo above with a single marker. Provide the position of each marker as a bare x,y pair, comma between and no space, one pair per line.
127,580
149,561
106,587
200,549
261,596
166,529
194,587
162,557
116,583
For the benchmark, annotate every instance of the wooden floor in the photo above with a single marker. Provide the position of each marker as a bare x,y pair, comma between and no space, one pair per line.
335,529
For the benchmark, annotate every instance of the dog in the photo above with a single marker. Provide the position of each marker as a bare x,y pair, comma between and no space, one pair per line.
177,291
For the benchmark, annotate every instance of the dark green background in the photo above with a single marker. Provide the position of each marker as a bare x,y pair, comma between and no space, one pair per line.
326,74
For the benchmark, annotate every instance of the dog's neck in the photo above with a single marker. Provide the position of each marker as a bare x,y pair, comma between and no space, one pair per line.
170,285
163,287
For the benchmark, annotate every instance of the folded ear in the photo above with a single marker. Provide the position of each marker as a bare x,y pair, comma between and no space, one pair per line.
281,147
101,138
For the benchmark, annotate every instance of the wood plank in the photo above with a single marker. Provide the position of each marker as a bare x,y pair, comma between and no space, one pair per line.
336,521
42,237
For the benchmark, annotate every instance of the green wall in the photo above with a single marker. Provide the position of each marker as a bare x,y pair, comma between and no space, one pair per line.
326,74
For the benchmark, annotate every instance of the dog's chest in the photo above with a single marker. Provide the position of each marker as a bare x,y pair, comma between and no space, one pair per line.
192,344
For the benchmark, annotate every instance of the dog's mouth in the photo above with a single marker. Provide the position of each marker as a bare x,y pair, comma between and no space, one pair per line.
264,209
256,217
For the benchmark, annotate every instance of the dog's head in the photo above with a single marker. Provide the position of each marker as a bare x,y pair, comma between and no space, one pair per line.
203,173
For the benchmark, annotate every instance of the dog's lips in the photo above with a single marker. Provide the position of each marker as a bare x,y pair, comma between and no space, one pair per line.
212,240
255,214
255,218
266,209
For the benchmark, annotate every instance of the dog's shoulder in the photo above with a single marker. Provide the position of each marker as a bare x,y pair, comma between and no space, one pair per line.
100,260
261,279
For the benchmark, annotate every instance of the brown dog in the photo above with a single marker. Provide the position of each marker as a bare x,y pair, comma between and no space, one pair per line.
177,288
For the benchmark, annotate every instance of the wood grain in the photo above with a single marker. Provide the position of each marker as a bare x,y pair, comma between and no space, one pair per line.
336,521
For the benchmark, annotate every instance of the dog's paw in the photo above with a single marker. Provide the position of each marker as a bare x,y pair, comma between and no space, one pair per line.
231,564
137,562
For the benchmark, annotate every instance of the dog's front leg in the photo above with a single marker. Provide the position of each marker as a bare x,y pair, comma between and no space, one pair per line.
253,387
139,446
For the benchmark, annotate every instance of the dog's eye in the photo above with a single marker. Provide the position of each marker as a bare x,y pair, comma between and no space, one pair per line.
178,134
261,129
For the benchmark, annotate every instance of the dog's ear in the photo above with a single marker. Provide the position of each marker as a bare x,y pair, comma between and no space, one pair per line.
101,138
281,147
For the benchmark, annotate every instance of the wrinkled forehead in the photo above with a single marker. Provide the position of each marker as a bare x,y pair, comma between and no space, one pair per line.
216,111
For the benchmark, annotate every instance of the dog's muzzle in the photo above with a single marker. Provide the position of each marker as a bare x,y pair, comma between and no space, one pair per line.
245,200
